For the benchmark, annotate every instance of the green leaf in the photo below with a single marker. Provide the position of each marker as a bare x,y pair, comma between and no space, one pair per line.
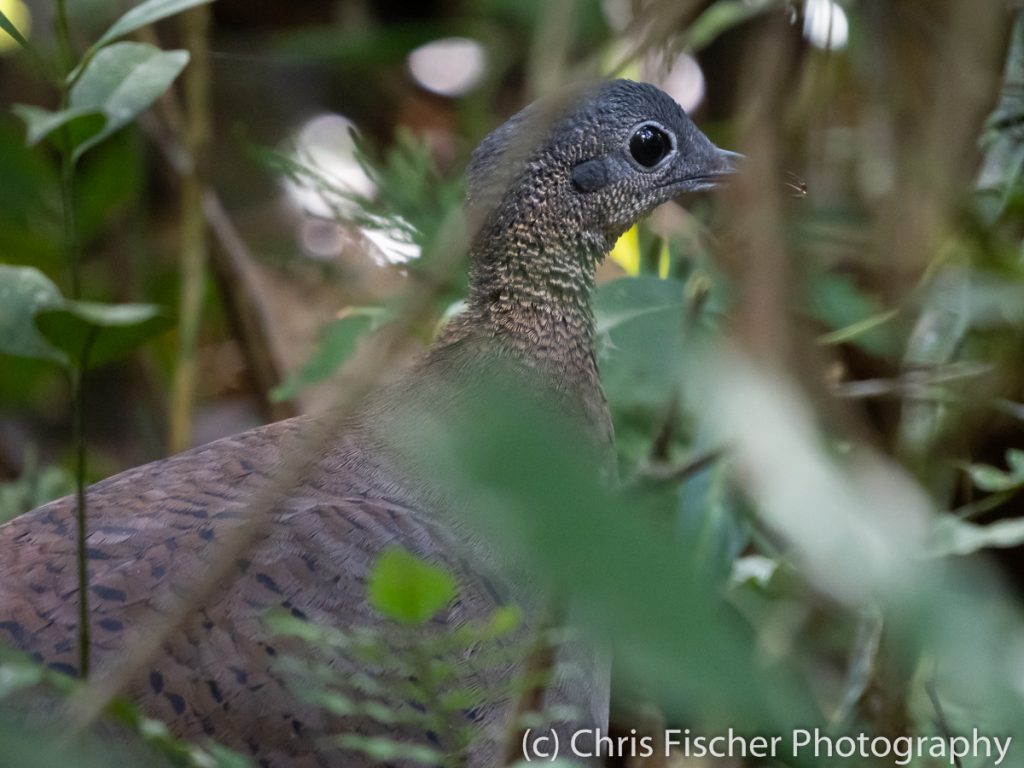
408,589
993,480
122,81
853,315
35,486
1015,460
144,14
23,292
81,121
118,84
15,677
387,750
94,334
523,480
952,536
640,340
336,343
855,330
723,16
8,26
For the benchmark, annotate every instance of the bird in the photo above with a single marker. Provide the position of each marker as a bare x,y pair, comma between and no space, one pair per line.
548,193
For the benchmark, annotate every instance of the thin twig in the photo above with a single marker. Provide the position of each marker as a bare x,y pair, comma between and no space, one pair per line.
193,251
537,673
940,717
232,263
679,472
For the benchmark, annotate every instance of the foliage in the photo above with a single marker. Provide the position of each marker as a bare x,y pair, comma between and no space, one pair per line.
35,486
805,532
402,673
26,741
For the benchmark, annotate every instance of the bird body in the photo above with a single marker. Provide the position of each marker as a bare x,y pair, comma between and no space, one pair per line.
548,194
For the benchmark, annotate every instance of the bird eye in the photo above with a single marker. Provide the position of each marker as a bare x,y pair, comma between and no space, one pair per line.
649,145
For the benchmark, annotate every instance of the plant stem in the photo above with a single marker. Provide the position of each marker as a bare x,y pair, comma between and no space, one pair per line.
63,33
78,437
71,246
72,253
193,254
67,161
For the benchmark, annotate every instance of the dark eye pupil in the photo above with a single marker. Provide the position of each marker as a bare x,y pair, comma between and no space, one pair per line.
648,146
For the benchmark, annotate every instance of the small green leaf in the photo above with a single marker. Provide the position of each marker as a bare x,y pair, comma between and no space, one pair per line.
144,14
16,676
1015,460
388,750
81,121
23,292
118,84
988,478
335,344
122,81
952,536
9,27
858,329
722,16
408,589
93,334
503,620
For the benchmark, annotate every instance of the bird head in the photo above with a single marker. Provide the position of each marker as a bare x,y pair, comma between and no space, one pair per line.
592,164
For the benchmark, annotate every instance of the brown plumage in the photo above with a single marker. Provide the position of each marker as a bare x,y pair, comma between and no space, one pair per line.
547,215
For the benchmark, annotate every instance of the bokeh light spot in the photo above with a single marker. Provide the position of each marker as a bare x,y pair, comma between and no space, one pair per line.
825,24
451,66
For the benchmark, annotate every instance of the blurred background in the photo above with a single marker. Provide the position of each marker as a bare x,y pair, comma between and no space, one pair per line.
816,374
421,83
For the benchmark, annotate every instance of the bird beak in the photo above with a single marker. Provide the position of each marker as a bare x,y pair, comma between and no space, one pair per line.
724,164
720,164
728,161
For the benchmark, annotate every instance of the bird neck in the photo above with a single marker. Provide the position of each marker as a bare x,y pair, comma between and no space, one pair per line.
530,290
529,304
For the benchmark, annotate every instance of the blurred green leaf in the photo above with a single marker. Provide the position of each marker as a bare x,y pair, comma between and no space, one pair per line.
708,516
107,184
15,677
9,27
537,492
385,750
119,83
953,536
35,486
122,81
408,589
640,339
722,16
854,331
993,480
1015,460
30,223
144,14
40,123
100,333
24,291
334,346
853,315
